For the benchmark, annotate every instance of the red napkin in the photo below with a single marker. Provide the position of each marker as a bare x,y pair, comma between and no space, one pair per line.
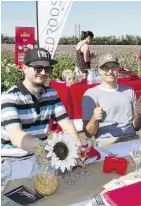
93,152
129,195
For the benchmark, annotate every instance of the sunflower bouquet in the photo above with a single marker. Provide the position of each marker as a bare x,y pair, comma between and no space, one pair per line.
62,150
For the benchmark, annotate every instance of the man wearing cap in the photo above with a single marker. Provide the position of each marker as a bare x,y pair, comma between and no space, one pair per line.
28,107
107,109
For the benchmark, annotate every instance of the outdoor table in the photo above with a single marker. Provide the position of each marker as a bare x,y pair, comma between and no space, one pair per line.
72,97
84,189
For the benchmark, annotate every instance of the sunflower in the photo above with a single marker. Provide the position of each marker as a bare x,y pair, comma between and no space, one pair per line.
62,150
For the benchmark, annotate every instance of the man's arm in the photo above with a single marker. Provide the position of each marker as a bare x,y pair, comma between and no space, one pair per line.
137,119
11,121
90,127
68,127
137,122
21,139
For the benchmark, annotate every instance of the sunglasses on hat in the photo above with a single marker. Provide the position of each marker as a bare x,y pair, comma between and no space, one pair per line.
39,68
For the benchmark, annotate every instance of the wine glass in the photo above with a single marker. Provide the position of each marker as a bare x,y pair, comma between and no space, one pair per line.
6,170
135,152
83,152
69,183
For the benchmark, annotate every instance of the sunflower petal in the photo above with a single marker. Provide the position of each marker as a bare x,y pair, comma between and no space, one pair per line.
62,167
54,160
48,148
57,164
49,154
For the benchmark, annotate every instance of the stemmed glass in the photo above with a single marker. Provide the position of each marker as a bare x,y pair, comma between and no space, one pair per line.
83,152
69,183
135,152
6,170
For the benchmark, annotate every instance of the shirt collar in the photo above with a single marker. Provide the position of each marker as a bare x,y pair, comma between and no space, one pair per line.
109,90
25,91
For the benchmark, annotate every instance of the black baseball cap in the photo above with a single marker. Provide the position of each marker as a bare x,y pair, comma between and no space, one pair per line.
38,54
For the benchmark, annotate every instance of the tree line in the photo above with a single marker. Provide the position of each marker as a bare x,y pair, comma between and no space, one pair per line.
101,40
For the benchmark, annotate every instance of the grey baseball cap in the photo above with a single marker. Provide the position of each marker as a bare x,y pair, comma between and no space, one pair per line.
105,58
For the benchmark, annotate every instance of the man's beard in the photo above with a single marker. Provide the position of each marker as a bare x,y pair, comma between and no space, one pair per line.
38,84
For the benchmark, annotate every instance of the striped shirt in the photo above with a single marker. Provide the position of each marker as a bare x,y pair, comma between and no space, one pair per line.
19,106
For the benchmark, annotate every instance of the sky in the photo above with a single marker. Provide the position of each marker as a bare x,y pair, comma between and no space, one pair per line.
102,18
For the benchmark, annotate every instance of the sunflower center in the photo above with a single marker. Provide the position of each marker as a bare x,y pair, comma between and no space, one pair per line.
61,150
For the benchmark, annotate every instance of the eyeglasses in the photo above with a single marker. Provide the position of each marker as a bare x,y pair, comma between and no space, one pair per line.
39,68
114,67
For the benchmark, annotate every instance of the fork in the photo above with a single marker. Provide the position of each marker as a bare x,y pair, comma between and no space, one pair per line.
108,152
93,202
97,201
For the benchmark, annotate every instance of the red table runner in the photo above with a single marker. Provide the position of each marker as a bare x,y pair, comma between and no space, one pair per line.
129,195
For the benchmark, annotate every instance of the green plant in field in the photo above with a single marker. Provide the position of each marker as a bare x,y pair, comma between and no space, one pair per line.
8,56
10,75
63,64
131,61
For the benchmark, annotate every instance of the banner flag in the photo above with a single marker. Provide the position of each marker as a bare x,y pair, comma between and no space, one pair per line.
23,37
52,16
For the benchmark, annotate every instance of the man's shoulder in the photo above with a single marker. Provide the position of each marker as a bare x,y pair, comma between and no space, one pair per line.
13,89
10,96
124,88
92,90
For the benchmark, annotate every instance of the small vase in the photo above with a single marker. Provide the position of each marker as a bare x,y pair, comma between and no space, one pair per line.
44,177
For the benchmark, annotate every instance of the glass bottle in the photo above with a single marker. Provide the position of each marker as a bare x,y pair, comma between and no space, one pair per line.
44,177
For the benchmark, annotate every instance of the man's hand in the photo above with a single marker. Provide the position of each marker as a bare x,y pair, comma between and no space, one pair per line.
80,163
98,112
137,119
138,107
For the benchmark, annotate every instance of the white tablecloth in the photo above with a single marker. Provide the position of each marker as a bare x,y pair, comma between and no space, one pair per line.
22,169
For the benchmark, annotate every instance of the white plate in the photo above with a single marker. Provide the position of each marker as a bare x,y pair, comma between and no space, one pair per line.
90,160
14,152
